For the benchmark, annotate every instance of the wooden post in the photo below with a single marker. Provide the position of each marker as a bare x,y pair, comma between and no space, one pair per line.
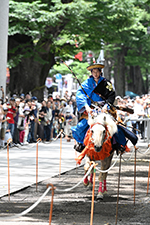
118,189
51,208
134,173
39,139
60,153
8,142
148,178
92,205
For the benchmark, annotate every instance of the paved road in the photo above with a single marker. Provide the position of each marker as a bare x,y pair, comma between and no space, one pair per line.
22,163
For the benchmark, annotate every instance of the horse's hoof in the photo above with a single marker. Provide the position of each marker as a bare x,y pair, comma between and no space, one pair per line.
105,193
100,195
86,183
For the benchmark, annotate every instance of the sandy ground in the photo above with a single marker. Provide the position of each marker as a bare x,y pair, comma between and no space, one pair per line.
74,207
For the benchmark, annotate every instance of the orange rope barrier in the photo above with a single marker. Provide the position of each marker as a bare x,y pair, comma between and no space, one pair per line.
148,179
51,208
8,141
92,205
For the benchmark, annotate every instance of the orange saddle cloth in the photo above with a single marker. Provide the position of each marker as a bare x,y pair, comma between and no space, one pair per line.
90,151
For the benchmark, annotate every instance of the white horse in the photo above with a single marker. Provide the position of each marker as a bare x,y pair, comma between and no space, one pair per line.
102,127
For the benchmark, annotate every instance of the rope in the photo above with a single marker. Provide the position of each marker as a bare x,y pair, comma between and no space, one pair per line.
69,189
29,209
126,160
44,194
106,171
143,153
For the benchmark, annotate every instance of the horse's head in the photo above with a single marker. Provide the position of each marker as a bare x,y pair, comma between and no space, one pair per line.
100,125
98,135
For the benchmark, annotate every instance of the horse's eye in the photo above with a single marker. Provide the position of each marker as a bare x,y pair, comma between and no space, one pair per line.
92,131
104,132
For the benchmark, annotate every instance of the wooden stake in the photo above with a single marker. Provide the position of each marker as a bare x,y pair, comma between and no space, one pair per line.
8,142
60,154
51,208
38,140
92,205
148,178
134,173
118,189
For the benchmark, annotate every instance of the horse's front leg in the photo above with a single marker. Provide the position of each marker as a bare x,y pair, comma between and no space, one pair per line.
105,164
87,182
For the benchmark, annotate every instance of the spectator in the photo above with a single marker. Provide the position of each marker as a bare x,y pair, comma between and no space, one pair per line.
139,111
128,117
26,122
74,105
3,127
11,114
48,121
148,109
21,123
70,107
41,123
66,95
32,118
68,119
2,98
16,131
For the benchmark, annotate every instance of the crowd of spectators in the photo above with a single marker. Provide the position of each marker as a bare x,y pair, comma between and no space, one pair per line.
24,119
141,107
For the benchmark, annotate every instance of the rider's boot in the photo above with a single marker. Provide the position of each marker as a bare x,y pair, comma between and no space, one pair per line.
79,147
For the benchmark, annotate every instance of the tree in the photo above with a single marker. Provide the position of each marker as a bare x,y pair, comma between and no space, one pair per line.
43,32
38,31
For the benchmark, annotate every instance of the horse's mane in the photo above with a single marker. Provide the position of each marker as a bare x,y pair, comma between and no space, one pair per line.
105,119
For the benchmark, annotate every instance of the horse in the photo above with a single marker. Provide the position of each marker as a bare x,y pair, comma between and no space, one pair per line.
98,147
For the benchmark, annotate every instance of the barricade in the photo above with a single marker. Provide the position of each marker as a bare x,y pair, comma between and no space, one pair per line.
146,125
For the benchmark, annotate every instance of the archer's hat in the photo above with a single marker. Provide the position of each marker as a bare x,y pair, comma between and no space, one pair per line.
95,66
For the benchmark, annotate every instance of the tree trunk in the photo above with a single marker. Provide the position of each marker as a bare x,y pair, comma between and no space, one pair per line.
30,74
135,81
119,73
108,68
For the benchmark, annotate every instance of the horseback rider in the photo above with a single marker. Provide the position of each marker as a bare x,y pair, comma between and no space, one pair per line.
98,89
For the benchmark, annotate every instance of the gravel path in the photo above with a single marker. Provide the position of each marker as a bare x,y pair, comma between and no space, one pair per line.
74,207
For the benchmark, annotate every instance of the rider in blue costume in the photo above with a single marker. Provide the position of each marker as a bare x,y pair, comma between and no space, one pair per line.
94,86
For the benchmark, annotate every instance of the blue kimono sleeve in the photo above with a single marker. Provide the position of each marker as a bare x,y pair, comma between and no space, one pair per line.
81,99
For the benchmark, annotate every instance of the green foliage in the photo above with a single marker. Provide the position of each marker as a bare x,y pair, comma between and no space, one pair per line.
55,27
78,68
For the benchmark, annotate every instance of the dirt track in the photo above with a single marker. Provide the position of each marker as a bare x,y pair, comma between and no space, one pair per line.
74,207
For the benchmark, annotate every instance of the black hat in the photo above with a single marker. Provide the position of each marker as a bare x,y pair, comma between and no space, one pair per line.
95,66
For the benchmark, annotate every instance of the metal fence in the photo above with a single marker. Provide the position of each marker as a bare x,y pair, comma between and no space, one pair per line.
146,127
